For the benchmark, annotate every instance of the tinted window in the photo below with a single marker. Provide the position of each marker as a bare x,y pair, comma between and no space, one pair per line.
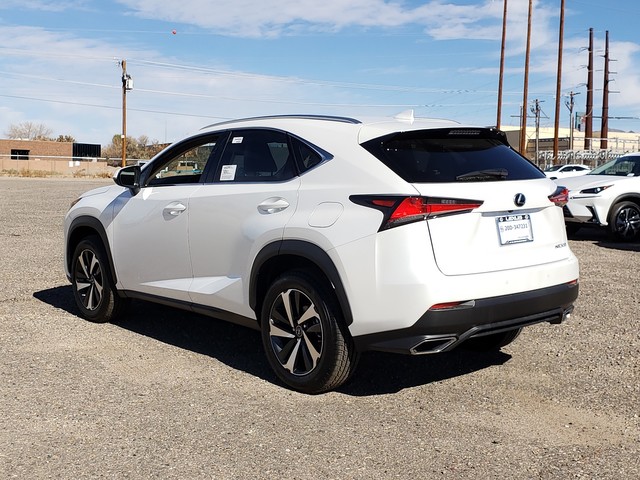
256,156
308,157
446,155
621,167
184,163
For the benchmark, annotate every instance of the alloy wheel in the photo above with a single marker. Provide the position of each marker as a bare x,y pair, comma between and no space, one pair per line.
627,222
89,280
295,331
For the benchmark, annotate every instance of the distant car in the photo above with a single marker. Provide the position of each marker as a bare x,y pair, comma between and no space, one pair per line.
608,197
564,171
333,236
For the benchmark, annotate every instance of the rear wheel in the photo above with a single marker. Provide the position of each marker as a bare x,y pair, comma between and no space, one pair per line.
304,336
494,341
624,221
93,288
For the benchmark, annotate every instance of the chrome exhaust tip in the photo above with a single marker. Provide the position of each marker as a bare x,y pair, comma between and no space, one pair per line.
432,345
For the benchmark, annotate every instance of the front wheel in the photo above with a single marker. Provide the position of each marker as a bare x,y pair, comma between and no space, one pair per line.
93,289
304,336
624,221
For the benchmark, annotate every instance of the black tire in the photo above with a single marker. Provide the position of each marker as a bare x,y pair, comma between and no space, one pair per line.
92,283
492,342
624,221
304,336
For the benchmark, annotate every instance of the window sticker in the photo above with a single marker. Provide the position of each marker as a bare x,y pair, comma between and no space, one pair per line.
228,173
237,139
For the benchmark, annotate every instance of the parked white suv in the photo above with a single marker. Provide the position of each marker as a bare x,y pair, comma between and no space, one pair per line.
607,197
333,236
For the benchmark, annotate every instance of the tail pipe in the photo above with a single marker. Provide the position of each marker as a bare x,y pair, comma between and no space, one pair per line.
429,344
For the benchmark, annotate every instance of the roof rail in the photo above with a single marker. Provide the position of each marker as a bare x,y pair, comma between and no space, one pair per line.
326,118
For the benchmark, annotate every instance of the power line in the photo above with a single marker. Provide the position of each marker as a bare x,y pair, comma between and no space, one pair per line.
284,102
109,107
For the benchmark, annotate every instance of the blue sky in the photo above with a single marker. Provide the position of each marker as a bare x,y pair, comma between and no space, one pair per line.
235,58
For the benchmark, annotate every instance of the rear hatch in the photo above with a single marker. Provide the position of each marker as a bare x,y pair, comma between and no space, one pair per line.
516,224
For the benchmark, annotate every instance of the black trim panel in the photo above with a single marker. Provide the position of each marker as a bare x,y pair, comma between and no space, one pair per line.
196,308
308,251
448,328
94,224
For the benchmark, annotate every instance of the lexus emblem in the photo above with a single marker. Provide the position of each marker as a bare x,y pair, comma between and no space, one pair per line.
519,199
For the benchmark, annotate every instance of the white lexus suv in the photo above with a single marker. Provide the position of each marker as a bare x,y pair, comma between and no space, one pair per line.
607,197
333,236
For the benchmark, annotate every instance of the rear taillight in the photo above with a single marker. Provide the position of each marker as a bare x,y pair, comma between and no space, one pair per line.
560,197
402,210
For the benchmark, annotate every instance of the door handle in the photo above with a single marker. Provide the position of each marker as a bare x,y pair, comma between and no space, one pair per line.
273,205
174,209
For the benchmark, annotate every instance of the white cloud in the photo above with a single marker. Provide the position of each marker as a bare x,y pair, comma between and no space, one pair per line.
270,18
73,85
42,5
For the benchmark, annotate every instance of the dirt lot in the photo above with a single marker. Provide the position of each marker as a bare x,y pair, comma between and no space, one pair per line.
165,394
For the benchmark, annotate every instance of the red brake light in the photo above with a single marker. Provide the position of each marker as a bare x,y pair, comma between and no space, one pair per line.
408,208
402,210
560,197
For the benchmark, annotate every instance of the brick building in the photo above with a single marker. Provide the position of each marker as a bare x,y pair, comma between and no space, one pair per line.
34,149
51,157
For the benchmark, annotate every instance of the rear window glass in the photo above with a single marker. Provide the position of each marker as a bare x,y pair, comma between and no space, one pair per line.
307,156
446,155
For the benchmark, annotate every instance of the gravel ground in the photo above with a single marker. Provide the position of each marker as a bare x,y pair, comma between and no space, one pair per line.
166,394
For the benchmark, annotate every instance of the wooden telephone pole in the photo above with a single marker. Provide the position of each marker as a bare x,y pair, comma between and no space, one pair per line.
501,74
604,129
127,84
559,82
588,116
523,121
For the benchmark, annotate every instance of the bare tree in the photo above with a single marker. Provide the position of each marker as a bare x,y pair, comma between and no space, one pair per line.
66,138
29,131
137,148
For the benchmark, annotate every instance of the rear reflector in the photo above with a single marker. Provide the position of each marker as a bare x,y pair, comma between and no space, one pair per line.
453,305
402,210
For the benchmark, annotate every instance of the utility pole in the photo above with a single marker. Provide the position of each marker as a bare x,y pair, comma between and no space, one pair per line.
523,123
127,84
570,104
604,129
501,74
559,81
535,109
588,116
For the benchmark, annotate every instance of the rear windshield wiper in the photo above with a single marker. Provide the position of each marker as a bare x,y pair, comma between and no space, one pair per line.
489,174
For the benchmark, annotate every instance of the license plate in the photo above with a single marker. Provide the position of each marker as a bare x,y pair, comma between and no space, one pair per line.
514,229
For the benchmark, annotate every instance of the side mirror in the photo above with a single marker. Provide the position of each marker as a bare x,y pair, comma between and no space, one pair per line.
129,177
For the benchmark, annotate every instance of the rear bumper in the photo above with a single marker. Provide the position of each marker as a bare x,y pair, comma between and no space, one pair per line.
443,330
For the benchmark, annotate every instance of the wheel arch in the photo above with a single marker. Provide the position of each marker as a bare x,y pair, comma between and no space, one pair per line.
279,257
82,227
625,197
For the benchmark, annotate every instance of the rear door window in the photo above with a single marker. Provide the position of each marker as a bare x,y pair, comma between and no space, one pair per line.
451,155
256,155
